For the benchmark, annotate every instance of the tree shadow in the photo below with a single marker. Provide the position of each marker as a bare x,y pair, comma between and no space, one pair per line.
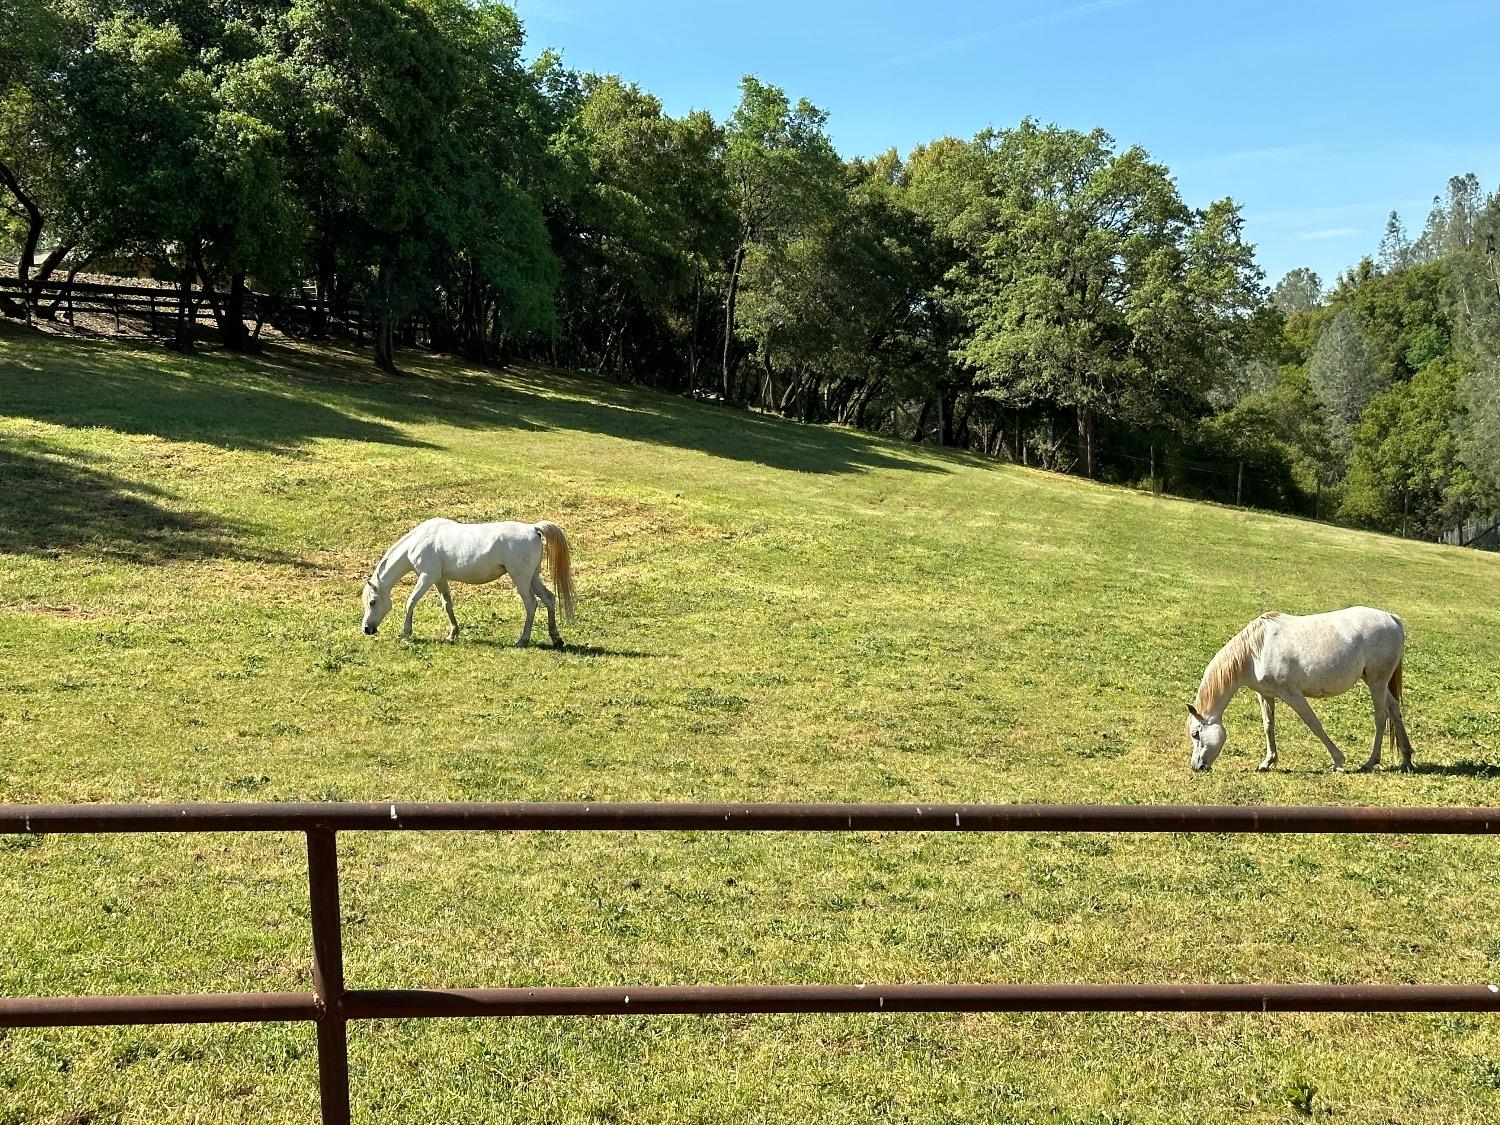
290,393
212,398
659,418
51,504
1485,771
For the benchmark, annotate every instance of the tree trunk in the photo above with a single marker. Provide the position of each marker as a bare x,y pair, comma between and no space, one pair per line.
692,340
44,273
922,420
862,403
734,288
183,334
232,324
789,396
961,427
34,224
1086,438
385,328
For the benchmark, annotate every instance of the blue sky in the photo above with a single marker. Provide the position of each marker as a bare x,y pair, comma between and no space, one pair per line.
1318,117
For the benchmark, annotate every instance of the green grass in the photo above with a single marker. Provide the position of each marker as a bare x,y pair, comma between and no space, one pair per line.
769,612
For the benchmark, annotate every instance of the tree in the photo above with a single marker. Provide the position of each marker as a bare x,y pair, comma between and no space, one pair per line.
1452,223
1396,250
1405,472
1475,290
782,174
1088,283
1300,290
644,214
839,312
1343,370
53,210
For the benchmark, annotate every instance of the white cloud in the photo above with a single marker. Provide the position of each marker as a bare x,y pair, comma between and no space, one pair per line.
1328,232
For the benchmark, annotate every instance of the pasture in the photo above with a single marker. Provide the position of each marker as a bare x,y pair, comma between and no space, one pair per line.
767,612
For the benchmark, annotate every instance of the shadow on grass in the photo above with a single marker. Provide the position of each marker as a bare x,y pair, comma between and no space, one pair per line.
469,640
50,504
215,399
658,418
289,394
1463,768
571,649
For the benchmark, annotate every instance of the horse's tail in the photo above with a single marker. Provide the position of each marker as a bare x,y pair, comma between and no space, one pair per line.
1395,685
559,564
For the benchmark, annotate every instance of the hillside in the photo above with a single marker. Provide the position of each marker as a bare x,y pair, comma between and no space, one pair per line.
768,612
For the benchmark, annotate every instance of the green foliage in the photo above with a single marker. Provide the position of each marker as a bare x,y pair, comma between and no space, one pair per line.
1344,370
1085,281
1300,291
1475,293
1405,473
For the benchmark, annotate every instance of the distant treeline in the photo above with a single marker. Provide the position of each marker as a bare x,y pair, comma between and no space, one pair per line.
1033,293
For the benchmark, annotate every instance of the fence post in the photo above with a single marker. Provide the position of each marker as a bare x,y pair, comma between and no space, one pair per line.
1239,485
328,975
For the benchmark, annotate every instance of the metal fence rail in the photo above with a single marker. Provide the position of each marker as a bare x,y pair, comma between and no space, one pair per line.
330,1006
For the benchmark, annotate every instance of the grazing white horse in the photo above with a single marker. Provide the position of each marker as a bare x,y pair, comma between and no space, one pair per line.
442,550
1292,659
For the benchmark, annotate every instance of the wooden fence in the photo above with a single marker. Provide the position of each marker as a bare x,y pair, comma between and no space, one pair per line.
158,308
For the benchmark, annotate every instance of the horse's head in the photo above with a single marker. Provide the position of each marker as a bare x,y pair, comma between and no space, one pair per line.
377,604
1207,736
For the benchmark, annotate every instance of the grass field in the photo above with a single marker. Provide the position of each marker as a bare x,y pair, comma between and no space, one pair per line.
768,612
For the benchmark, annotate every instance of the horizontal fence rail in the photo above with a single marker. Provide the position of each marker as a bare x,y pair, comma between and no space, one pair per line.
459,816
330,1005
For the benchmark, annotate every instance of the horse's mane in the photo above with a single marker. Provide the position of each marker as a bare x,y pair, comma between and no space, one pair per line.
374,579
1226,668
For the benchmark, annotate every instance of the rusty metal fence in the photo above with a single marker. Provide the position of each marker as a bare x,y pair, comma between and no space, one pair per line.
330,1005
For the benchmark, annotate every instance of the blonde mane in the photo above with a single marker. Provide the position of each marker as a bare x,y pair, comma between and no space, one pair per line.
1226,669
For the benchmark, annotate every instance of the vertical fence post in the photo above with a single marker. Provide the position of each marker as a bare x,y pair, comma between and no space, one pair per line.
328,976
1239,485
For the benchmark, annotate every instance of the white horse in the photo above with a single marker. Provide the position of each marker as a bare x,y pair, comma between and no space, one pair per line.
441,551
1293,658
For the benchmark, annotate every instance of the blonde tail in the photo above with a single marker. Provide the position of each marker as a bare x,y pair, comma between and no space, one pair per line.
559,565
1395,685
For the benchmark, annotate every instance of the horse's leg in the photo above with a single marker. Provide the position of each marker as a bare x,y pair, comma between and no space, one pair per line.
1398,733
424,583
1268,717
528,599
1379,698
1298,703
447,596
541,591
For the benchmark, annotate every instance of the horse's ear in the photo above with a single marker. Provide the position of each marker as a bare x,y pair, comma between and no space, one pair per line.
1193,711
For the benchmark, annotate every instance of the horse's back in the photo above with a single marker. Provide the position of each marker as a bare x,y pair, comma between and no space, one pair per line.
1329,652
482,552
1355,622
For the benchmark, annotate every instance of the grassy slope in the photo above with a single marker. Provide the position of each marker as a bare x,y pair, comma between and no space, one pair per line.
769,612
